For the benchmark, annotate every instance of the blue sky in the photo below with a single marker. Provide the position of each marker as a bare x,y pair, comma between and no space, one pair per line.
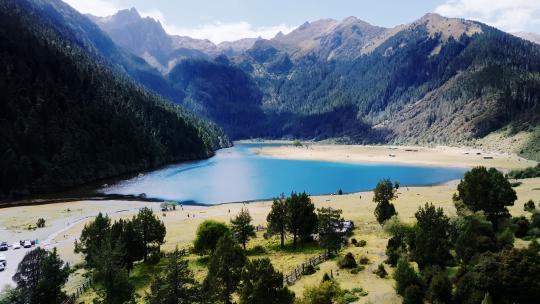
234,19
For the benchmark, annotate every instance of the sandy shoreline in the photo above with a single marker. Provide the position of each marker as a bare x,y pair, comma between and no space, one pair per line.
406,155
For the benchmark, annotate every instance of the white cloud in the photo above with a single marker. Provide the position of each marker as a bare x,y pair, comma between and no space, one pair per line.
509,15
95,7
217,31
213,30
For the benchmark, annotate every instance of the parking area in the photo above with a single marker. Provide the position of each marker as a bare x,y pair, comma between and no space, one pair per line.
13,257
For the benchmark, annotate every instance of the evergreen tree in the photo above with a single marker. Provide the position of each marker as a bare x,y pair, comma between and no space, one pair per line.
405,276
383,194
262,284
92,238
277,219
40,278
488,191
224,270
150,229
177,285
242,228
432,246
301,217
114,286
330,224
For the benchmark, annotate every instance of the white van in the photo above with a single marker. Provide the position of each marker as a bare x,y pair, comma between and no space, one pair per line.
3,260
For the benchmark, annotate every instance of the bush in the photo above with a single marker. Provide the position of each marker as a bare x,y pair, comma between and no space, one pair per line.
257,250
522,226
405,276
40,223
208,234
364,260
362,243
347,261
326,277
357,269
381,272
359,291
529,206
354,242
413,295
309,270
349,297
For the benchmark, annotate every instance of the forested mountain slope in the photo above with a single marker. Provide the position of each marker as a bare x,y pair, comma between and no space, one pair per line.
434,80
67,117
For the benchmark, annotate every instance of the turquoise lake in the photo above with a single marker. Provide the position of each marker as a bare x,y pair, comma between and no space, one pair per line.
236,174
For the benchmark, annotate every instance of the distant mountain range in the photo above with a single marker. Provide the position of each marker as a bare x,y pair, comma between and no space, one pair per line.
146,38
435,80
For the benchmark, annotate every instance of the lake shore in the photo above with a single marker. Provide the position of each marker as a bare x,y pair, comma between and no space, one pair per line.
65,221
442,156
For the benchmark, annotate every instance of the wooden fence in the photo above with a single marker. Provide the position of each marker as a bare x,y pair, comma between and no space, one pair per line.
293,276
80,290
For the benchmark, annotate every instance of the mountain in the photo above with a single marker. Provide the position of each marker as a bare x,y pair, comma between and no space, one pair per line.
68,116
146,38
434,80
532,37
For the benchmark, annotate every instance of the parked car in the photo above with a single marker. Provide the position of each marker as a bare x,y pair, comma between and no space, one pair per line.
3,246
2,267
27,244
3,260
16,245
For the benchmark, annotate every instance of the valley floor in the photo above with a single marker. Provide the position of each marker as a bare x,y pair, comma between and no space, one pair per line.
64,222
432,156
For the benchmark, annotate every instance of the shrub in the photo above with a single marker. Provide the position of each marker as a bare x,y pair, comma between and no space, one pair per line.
362,243
405,276
357,269
349,297
522,226
309,270
413,295
40,223
347,261
257,250
359,291
529,206
364,260
326,277
354,241
381,272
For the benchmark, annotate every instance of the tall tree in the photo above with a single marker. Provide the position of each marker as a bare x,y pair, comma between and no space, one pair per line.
486,190
224,270
301,217
474,236
432,246
151,230
53,276
114,287
277,219
92,237
177,285
262,284
330,224
383,194
242,228
41,276
208,234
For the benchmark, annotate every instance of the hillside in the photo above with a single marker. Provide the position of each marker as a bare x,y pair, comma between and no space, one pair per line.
69,117
435,80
